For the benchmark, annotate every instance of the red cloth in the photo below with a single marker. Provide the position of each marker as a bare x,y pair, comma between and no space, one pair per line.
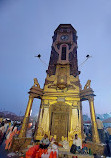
84,145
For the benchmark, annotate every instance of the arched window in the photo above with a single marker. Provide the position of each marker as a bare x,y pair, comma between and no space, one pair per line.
63,54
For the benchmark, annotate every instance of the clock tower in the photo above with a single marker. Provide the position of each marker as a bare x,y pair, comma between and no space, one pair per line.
60,113
60,110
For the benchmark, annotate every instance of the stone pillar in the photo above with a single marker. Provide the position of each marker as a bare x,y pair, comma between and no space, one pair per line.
43,125
45,120
74,119
82,128
95,135
26,118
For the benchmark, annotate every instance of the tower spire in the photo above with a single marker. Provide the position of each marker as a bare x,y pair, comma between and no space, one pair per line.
64,49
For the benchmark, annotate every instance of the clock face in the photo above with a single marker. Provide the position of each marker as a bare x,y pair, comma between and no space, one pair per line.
64,37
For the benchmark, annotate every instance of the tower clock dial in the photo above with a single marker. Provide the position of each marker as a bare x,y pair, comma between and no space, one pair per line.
64,37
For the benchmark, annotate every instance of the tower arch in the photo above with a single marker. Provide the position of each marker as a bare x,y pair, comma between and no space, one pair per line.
60,119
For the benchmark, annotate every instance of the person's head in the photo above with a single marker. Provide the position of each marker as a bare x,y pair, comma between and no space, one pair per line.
5,121
98,118
76,136
84,142
8,121
14,125
45,136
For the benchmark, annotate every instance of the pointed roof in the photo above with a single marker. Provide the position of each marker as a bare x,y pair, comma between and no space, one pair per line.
65,26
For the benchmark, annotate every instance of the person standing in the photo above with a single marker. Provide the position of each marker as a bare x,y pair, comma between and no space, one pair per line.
86,129
6,125
100,129
8,142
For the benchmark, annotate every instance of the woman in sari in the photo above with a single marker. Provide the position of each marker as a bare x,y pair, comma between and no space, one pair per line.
12,132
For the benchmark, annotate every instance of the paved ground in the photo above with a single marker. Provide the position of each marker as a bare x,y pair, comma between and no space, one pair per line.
3,152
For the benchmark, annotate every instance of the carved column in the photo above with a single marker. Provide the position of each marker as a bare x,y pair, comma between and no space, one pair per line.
26,118
43,126
95,135
45,120
74,119
82,133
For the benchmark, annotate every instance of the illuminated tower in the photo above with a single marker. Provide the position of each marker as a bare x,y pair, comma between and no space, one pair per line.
60,112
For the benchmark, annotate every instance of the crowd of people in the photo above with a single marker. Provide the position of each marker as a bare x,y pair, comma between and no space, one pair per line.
104,135
8,130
